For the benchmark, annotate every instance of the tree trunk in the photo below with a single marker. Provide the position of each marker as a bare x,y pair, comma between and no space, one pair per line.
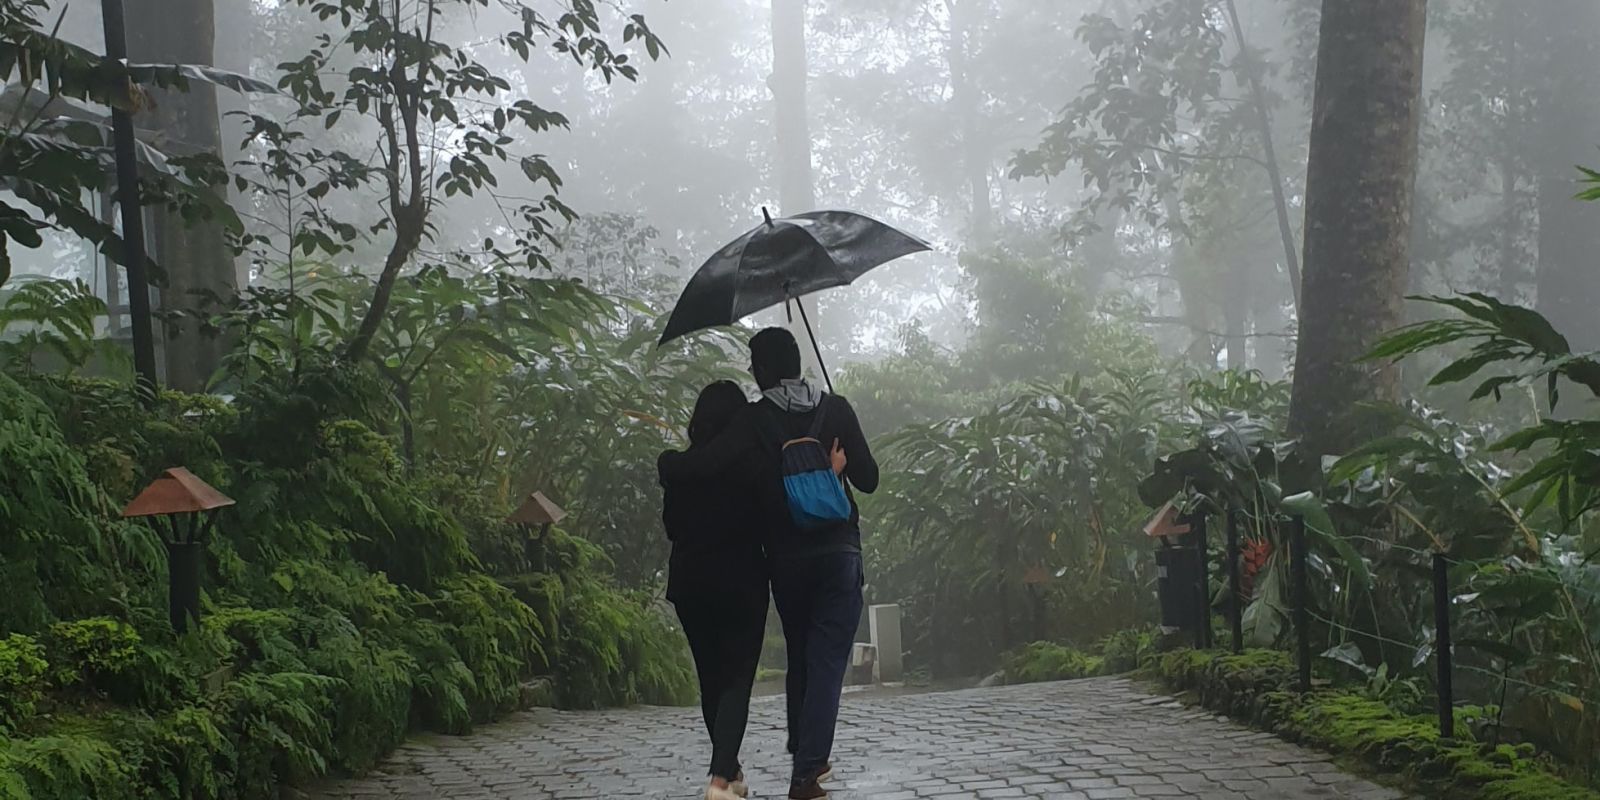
1269,154
1191,289
194,256
1236,315
1099,254
792,131
964,100
1360,185
1567,119
1512,269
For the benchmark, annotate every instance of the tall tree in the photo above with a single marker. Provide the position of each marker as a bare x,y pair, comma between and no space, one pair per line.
411,88
1483,104
1156,127
792,131
1361,180
966,102
194,254
791,123
1269,153
1567,130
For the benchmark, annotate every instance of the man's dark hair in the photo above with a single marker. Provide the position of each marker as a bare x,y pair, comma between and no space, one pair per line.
774,356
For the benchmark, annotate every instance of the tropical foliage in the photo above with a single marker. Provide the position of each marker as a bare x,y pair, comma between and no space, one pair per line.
366,583
1508,507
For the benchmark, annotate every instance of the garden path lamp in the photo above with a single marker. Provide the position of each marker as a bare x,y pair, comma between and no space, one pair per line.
782,260
188,506
536,511
1177,569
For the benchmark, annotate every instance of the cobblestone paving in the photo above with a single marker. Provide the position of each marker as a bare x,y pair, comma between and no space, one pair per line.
1096,739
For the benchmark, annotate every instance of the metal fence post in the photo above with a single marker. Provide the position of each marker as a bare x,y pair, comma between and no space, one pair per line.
1302,600
1441,621
1235,591
1202,631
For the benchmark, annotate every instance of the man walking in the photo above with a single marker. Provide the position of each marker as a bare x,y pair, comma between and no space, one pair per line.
816,571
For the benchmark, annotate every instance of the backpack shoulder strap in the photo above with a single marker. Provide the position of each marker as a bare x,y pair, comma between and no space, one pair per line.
822,412
769,428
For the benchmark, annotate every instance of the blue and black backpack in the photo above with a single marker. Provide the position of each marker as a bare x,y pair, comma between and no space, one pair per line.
816,496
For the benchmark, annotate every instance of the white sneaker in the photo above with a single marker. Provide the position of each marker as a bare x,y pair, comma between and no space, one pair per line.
739,788
714,792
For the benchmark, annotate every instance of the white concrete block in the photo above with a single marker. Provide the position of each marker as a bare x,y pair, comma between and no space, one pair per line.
884,623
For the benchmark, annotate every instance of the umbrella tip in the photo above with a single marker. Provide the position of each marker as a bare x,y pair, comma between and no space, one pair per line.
766,215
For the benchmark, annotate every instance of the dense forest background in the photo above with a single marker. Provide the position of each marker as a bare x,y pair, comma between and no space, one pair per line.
411,258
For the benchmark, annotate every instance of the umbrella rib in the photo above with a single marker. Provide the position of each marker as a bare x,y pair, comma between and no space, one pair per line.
837,269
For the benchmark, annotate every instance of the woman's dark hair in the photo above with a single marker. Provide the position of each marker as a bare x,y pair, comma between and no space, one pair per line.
714,410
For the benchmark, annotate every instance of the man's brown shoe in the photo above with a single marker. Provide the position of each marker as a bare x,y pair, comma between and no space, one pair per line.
810,790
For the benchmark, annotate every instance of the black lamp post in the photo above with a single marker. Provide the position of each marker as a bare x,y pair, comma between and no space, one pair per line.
536,511
189,506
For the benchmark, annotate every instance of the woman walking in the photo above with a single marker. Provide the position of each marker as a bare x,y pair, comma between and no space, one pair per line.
717,582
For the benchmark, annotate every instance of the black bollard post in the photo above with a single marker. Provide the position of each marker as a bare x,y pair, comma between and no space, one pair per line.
1235,590
1302,600
1441,621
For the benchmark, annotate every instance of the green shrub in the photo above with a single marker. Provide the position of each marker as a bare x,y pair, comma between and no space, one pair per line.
65,766
281,726
617,651
1047,661
343,603
59,542
94,654
1125,651
495,635
1039,662
22,679
1255,686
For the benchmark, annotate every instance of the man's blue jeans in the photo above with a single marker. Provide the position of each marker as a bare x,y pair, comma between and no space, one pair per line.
819,600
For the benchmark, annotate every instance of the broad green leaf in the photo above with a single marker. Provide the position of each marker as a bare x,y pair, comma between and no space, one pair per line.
1309,507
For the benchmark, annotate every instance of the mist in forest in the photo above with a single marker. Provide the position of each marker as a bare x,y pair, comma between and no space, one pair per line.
1114,150
410,263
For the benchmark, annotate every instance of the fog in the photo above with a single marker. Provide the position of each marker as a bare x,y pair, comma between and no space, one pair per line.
1316,266
1116,143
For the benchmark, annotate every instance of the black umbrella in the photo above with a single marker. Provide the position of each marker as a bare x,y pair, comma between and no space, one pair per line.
781,260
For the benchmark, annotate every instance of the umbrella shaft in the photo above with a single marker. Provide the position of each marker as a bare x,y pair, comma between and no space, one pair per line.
815,348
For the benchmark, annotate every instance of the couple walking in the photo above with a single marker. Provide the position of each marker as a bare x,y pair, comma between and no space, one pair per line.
748,509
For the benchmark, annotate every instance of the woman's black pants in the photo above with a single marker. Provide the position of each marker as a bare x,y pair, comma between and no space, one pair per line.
726,629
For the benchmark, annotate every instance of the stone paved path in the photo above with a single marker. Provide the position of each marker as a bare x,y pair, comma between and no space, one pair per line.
1096,739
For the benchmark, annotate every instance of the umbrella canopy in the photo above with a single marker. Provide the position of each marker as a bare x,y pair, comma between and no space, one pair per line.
782,259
